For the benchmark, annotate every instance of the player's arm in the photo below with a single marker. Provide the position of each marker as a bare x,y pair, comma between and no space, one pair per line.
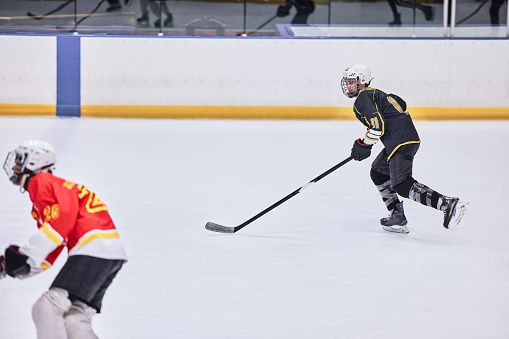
368,113
16,264
43,247
375,129
40,245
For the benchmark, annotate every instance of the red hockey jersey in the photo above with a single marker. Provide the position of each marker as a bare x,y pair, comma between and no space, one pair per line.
69,215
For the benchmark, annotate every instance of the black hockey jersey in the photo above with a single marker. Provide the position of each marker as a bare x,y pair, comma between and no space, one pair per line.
386,118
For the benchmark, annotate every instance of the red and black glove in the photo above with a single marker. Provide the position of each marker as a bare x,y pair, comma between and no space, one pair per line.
360,150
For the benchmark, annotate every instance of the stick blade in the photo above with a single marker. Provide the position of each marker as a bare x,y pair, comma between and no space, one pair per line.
219,228
34,16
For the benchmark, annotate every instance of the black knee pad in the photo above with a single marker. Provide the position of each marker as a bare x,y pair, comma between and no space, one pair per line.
378,178
403,188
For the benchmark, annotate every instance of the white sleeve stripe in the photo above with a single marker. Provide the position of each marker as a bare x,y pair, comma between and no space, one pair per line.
38,246
374,133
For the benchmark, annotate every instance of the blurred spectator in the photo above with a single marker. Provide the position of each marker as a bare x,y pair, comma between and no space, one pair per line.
114,5
156,9
428,11
304,9
494,11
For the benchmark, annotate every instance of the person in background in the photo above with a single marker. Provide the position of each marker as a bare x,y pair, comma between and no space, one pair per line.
154,6
304,8
427,10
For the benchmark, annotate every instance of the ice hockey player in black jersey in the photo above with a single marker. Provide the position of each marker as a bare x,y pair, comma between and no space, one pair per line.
387,119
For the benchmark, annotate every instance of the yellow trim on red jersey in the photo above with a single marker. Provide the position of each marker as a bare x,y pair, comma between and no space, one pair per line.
52,234
97,235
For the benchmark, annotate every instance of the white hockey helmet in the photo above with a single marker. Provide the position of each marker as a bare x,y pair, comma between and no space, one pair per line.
29,158
359,73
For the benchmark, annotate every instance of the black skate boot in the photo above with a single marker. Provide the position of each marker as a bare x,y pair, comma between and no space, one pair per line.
143,20
396,221
429,13
453,209
168,22
396,21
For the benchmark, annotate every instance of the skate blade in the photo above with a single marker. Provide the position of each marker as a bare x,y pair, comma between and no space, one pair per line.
461,208
396,229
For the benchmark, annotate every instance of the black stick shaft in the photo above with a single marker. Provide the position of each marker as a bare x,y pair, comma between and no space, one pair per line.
263,25
55,10
291,195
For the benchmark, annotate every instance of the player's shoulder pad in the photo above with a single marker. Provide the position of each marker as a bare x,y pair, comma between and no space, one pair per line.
400,101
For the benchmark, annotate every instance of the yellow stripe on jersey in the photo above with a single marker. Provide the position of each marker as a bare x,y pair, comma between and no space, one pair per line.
405,143
98,235
395,104
374,123
52,234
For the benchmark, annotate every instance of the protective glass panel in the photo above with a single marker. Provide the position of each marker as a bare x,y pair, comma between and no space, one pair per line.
289,18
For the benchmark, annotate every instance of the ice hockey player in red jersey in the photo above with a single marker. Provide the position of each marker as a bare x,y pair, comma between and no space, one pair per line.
71,217
387,120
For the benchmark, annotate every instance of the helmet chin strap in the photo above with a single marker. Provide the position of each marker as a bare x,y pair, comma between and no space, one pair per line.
23,181
26,177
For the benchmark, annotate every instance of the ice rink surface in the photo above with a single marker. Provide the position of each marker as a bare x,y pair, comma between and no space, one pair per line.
318,266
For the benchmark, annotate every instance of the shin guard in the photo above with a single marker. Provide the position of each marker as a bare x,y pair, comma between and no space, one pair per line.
424,195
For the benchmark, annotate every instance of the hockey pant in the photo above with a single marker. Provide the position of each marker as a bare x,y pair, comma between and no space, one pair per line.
55,317
394,177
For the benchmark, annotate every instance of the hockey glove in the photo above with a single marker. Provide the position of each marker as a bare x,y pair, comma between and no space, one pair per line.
360,150
283,11
15,262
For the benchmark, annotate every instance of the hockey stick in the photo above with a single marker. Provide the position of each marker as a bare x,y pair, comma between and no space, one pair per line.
473,13
95,10
226,229
39,17
259,27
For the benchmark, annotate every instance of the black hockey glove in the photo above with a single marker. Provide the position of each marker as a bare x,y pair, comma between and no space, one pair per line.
283,10
15,262
360,150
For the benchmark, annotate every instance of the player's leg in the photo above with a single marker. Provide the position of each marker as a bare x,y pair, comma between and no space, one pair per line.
304,9
494,11
406,186
143,20
168,22
79,317
78,321
395,13
48,314
427,10
380,175
84,277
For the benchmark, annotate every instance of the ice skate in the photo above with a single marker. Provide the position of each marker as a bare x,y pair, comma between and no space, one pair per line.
396,221
396,21
453,209
143,21
429,13
168,22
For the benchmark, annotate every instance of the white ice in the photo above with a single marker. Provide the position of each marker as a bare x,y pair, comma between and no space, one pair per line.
318,266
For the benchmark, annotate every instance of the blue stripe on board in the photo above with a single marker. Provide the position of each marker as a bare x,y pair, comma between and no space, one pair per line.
68,76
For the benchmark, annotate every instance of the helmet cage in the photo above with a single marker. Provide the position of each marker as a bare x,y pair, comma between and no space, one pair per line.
12,159
28,159
361,74
346,91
